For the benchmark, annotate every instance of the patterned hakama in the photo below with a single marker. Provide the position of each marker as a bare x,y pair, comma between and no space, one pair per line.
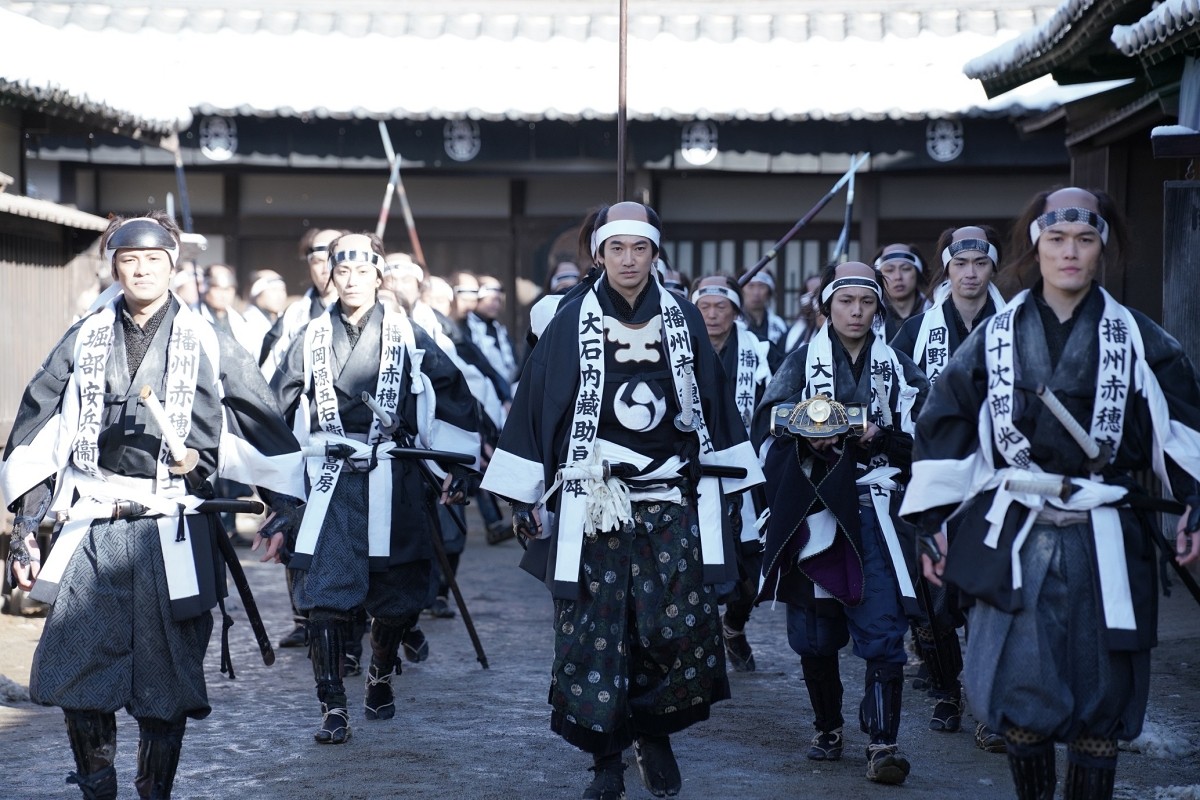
110,641
644,653
1047,668
339,577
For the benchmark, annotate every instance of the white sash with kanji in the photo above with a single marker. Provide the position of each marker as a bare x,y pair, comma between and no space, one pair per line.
83,414
574,518
324,470
931,349
752,371
1117,333
886,374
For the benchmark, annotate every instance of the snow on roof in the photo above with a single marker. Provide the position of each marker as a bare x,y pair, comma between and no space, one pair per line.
33,208
1030,45
163,75
1164,21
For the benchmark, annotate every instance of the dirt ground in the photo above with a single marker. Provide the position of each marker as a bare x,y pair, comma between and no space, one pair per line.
463,732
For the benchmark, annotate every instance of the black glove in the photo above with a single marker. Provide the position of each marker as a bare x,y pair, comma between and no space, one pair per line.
18,549
524,524
287,510
927,545
1193,520
30,510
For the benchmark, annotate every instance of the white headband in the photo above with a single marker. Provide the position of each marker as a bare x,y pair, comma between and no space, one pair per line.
618,226
718,291
963,245
900,255
406,269
261,285
764,277
850,282
1084,216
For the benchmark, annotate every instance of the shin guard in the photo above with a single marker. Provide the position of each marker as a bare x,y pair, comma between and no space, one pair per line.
327,649
824,683
879,713
159,744
93,738
1091,769
1031,762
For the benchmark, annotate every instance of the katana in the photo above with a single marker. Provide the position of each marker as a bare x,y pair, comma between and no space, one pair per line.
345,451
770,255
1043,487
184,458
1098,455
238,574
439,548
686,420
419,455
388,422
1063,489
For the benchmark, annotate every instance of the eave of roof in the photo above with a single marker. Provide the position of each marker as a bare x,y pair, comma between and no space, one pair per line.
1148,107
33,208
1170,28
335,75
1078,29
541,20
63,104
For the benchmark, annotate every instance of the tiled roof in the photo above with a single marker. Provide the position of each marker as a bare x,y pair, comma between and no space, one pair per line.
864,67
540,20
1076,26
1166,21
33,208
60,102
1031,45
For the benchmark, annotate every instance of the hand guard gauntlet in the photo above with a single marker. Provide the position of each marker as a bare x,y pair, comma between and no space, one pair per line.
524,524
1193,520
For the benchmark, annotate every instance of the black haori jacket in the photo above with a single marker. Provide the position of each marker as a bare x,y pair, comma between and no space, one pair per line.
260,450
356,370
801,483
534,442
948,452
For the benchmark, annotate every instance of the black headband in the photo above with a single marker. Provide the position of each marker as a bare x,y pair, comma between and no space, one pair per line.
357,257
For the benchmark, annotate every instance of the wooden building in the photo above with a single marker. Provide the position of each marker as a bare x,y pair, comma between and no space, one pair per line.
1136,141
739,117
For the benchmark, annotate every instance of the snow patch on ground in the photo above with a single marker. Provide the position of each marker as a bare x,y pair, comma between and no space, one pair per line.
12,692
1159,741
1178,792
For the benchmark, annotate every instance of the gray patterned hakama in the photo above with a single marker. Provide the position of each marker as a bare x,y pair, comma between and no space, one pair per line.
143,660
1047,668
340,578
643,654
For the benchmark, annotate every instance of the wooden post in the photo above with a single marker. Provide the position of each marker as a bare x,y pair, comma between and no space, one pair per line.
621,127
1181,253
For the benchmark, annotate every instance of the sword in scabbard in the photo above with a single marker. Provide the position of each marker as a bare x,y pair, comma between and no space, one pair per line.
219,506
125,509
1064,488
183,458
389,423
344,451
1098,455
